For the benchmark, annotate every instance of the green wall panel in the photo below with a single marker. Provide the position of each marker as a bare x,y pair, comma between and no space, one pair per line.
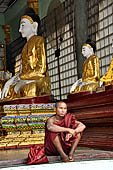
43,7
12,17
2,22
2,36
13,14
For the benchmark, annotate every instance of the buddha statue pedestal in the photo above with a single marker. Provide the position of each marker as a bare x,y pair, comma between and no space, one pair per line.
23,120
95,110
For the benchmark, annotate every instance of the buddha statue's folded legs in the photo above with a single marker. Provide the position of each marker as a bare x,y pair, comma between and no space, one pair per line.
33,89
89,86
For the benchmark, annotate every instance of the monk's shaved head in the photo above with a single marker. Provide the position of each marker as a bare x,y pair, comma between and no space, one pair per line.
58,102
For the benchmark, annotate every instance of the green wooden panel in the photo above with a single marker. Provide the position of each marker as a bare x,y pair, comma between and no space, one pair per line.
43,7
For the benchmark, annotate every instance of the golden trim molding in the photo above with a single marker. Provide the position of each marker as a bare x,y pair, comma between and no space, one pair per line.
7,32
34,4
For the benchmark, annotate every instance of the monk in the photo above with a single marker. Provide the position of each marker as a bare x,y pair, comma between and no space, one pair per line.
62,133
90,80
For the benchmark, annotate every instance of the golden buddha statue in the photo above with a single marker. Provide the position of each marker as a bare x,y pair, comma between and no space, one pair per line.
33,79
107,79
90,72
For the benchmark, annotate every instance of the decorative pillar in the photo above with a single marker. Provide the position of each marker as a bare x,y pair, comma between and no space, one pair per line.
7,32
81,29
34,4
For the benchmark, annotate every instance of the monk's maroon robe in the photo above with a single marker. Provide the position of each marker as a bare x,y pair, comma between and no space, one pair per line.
37,154
69,121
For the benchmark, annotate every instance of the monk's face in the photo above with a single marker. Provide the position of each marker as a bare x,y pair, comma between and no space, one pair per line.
61,109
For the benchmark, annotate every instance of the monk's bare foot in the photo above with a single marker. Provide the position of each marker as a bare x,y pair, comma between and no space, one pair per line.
71,158
65,159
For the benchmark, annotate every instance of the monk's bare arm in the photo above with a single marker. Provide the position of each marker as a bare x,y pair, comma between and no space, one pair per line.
80,127
77,130
51,126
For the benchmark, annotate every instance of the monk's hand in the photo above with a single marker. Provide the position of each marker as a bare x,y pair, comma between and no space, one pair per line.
68,136
71,131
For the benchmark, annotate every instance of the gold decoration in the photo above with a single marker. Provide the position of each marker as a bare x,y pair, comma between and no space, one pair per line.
87,45
107,78
90,75
34,4
27,17
7,32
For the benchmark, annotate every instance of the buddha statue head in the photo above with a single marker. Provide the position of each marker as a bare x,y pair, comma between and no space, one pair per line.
88,48
29,24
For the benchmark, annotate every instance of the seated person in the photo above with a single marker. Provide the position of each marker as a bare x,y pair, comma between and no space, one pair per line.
90,72
62,133
33,79
107,79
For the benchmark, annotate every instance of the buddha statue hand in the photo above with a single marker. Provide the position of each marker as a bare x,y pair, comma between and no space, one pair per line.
21,83
77,83
101,83
84,83
7,85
